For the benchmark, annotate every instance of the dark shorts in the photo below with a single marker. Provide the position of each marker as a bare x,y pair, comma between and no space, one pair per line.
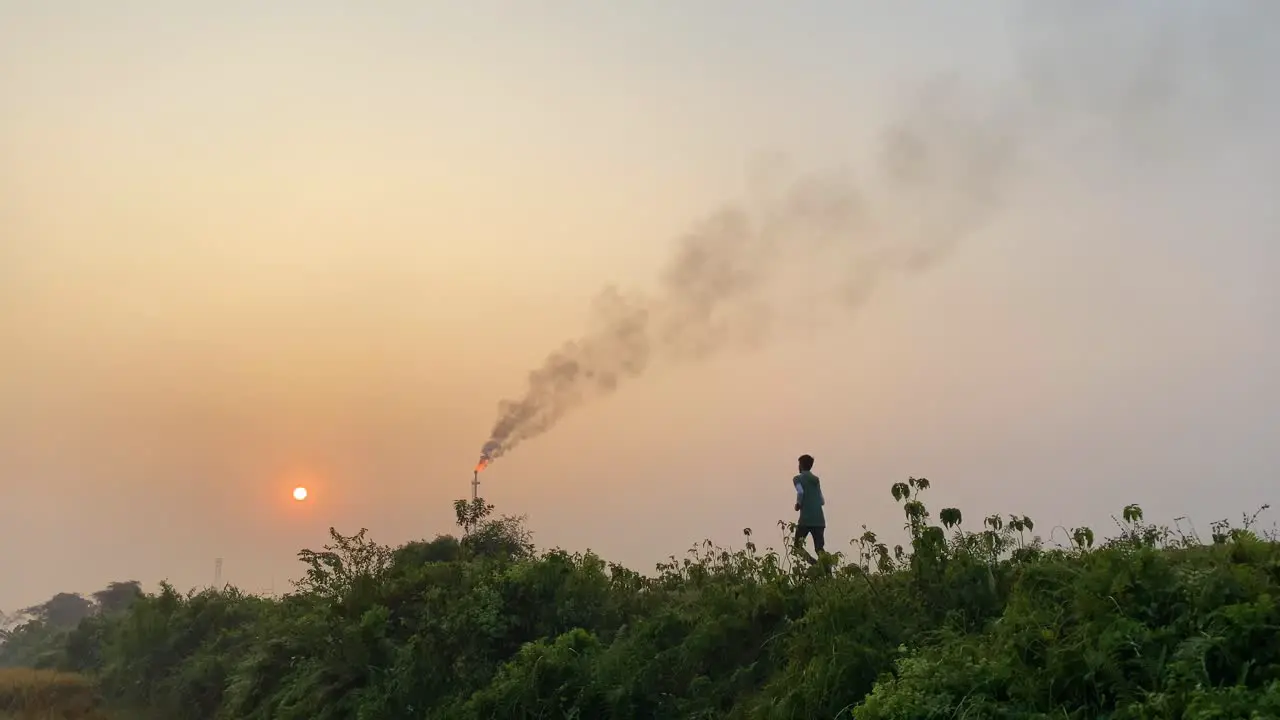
818,533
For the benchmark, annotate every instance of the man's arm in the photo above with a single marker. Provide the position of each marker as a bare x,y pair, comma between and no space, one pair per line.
799,493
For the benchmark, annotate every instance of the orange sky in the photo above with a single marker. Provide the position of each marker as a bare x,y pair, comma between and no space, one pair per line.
317,245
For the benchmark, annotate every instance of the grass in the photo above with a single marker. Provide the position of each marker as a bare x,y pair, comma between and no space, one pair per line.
27,694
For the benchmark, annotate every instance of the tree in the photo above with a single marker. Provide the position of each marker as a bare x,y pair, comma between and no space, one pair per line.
118,596
333,571
485,536
63,610
445,548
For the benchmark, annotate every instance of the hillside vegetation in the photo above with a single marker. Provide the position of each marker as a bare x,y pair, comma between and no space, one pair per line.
984,623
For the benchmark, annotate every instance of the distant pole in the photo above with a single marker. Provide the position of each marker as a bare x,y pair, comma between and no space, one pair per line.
217,573
475,485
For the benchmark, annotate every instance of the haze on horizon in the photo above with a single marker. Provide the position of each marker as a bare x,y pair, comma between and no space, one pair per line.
247,248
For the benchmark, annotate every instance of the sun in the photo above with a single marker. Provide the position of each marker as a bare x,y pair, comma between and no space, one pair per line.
299,493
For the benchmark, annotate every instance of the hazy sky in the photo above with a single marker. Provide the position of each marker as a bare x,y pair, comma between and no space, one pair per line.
245,246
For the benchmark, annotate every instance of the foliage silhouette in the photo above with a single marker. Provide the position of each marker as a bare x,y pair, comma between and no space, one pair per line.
992,623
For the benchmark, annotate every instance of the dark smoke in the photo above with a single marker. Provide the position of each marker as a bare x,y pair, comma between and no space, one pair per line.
737,271
827,241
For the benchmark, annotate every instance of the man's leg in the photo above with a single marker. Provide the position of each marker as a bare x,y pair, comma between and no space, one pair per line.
819,538
802,532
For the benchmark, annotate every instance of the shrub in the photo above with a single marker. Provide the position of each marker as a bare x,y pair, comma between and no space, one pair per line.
991,622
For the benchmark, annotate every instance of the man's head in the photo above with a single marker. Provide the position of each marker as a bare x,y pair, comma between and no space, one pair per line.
806,463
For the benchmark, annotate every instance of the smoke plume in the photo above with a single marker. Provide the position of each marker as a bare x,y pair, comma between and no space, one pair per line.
825,242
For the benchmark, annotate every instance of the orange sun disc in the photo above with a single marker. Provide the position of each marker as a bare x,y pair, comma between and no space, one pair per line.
299,493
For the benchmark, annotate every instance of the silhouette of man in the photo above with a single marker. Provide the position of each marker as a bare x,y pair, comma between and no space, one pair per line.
809,504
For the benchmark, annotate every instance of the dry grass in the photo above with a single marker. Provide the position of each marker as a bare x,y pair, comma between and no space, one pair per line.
47,695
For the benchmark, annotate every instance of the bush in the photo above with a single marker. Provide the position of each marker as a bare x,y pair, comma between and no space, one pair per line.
990,623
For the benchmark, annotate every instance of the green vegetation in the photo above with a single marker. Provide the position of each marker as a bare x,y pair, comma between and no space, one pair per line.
989,623
36,637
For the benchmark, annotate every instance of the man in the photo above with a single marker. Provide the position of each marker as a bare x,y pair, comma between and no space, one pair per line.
809,504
